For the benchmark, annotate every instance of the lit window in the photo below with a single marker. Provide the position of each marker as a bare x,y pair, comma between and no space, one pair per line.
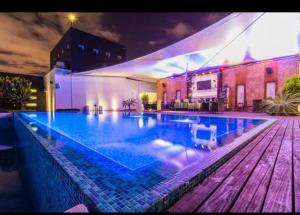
33,90
31,104
96,51
33,97
107,54
81,46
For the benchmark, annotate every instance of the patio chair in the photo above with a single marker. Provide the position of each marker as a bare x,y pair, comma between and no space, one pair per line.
213,107
221,105
204,106
185,104
177,104
191,106
197,106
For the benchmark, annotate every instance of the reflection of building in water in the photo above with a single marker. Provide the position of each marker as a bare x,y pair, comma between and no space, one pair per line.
148,122
211,144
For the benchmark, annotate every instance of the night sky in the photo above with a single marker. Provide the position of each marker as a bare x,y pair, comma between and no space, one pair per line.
26,39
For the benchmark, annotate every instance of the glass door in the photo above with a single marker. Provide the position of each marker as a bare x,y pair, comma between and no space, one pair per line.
271,89
240,95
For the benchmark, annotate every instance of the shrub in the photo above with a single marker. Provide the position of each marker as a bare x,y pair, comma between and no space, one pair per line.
292,85
283,104
145,98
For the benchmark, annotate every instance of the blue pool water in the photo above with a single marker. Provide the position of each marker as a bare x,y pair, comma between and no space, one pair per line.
130,158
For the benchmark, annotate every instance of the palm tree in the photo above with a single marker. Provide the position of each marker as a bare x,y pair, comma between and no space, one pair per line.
283,104
128,103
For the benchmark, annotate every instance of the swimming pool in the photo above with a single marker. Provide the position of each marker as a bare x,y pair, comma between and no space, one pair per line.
128,162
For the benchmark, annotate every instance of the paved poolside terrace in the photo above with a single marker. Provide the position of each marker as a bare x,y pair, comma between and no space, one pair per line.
264,176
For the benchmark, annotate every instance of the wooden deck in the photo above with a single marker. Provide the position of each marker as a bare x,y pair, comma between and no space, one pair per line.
263,177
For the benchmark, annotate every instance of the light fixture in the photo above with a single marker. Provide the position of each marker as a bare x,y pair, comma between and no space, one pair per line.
72,18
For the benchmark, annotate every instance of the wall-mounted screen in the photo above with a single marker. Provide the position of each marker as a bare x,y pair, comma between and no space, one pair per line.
204,85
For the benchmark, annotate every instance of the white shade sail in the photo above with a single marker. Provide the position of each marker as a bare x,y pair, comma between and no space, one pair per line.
237,38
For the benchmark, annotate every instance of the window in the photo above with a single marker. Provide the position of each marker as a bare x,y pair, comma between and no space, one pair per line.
81,46
62,51
119,57
68,46
178,94
240,95
96,51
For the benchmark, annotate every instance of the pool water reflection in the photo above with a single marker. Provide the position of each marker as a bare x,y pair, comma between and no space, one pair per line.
130,155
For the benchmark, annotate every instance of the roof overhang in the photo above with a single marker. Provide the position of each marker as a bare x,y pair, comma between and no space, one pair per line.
237,38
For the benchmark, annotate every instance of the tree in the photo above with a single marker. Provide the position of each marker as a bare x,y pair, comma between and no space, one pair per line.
15,92
128,103
292,85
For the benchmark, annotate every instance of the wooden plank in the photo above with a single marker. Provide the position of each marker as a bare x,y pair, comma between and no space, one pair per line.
223,197
252,196
279,195
190,201
296,159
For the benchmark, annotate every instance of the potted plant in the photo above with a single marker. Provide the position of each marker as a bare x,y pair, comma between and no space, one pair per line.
283,104
145,99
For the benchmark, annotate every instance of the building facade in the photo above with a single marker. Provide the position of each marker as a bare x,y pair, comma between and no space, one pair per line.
240,84
67,90
80,51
